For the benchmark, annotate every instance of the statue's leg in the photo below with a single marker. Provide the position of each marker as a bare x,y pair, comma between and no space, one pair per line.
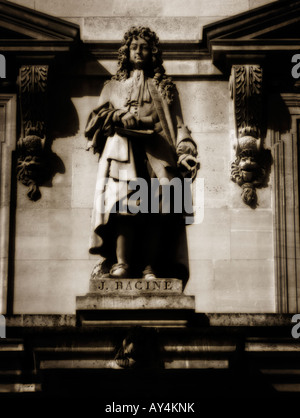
153,234
124,242
124,245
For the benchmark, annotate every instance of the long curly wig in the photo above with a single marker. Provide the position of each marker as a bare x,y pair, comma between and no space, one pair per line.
157,71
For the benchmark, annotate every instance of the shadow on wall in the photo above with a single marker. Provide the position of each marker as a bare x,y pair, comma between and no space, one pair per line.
87,74
81,76
63,117
70,77
279,118
52,114
45,106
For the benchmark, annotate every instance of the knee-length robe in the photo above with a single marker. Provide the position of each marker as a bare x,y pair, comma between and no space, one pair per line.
124,157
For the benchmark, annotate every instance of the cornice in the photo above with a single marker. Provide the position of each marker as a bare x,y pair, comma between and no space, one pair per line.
34,32
271,31
171,50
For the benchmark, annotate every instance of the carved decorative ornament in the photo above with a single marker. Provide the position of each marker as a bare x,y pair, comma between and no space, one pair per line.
31,165
140,349
248,170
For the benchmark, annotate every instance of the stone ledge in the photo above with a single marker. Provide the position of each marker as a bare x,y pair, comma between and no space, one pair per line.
94,301
213,319
40,320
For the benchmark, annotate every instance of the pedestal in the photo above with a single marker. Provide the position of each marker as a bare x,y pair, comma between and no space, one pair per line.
132,301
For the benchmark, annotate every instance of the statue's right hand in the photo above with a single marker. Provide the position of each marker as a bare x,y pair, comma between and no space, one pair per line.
129,121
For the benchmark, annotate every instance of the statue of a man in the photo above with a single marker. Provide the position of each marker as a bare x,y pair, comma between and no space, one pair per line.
138,130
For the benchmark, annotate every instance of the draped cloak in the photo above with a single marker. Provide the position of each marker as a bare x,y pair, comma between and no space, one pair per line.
124,157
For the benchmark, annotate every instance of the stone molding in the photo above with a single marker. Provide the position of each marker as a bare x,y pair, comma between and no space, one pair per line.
269,32
214,320
33,32
237,345
8,144
286,201
171,50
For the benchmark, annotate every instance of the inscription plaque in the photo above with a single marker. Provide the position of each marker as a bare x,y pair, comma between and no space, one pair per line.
107,294
135,286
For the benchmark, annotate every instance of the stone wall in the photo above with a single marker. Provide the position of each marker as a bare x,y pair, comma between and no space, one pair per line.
172,19
231,251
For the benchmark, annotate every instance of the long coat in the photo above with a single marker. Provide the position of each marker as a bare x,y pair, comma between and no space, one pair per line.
117,165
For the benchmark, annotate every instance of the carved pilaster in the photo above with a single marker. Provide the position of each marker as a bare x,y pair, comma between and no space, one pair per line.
7,146
31,166
249,170
285,147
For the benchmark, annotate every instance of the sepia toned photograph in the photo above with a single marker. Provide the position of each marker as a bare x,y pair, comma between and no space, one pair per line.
149,196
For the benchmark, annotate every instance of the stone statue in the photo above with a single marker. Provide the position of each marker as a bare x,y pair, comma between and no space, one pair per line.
137,129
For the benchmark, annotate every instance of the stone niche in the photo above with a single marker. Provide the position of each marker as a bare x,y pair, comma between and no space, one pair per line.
234,251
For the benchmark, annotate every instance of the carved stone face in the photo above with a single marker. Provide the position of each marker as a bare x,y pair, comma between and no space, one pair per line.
139,53
248,166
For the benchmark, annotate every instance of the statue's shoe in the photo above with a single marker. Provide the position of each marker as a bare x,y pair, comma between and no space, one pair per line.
119,271
148,273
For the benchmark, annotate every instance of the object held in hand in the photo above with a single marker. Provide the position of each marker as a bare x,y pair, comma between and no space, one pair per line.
189,162
188,165
134,132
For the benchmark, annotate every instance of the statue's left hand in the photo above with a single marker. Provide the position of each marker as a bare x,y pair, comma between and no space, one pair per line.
89,145
189,165
189,162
